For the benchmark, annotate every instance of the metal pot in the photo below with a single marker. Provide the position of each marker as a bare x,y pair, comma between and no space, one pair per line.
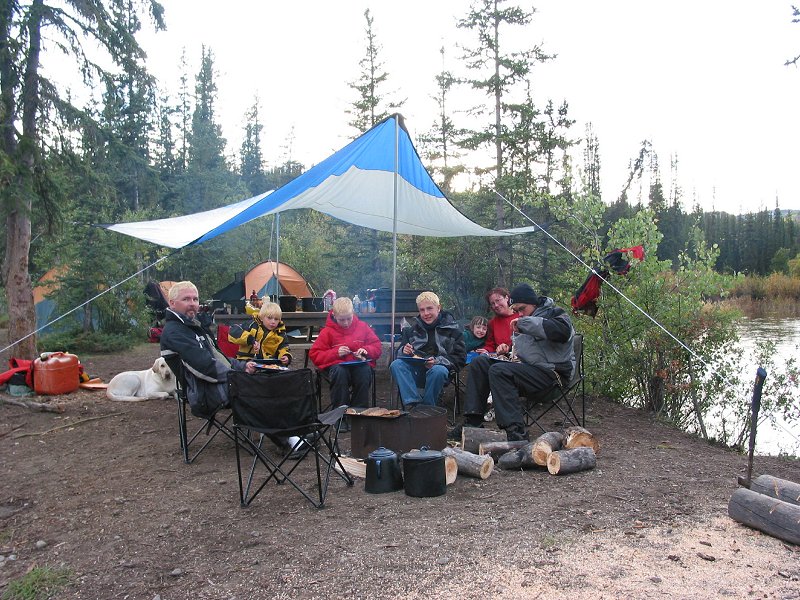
312,304
424,473
383,472
288,303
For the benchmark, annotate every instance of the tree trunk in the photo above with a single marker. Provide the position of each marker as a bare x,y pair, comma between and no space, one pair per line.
19,291
472,465
571,461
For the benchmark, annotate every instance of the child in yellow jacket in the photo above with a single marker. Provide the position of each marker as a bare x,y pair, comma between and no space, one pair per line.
265,337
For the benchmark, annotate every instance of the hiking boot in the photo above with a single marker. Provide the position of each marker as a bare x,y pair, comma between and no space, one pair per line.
517,433
455,432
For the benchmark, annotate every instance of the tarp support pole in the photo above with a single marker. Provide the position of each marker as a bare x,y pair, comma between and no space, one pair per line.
277,256
394,235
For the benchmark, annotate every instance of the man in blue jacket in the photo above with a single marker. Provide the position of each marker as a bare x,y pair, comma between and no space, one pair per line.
542,337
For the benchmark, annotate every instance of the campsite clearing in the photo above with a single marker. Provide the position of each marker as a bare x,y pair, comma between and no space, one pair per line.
101,491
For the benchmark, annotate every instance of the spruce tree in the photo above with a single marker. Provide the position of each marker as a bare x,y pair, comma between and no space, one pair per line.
27,96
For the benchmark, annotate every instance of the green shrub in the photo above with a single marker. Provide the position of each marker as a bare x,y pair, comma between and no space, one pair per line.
39,583
79,342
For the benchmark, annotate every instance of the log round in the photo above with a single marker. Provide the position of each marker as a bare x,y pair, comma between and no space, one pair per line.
473,437
546,444
571,461
521,458
782,489
450,470
578,437
770,515
472,465
497,449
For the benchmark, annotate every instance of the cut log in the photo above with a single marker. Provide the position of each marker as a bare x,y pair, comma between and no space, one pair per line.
571,461
356,468
521,458
770,515
578,437
450,470
472,465
497,449
473,437
782,489
546,444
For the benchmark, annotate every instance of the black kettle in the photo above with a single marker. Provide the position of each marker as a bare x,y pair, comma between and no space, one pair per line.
383,472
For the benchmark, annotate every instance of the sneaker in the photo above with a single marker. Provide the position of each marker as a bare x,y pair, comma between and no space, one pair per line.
455,433
296,455
489,416
517,433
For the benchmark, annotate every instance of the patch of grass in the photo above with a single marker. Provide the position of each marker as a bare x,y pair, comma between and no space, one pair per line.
549,542
39,583
6,535
86,343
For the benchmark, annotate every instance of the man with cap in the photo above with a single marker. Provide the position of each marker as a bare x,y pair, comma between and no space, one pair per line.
542,337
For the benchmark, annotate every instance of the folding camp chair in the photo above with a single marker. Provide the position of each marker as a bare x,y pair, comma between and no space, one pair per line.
562,395
322,376
281,403
454,378
210,427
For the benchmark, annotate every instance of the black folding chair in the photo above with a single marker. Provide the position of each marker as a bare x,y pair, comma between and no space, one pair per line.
454,378
191,447
322,376
562,396
282,404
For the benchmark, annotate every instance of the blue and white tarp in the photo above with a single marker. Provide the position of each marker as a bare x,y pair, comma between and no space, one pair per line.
356,184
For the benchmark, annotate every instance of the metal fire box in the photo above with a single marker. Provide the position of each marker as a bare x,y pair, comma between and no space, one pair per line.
423,426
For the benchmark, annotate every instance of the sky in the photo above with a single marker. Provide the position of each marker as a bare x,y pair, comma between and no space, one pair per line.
703,81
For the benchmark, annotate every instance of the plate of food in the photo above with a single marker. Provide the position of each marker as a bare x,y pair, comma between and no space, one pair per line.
271,367
267,361
499,357
414,358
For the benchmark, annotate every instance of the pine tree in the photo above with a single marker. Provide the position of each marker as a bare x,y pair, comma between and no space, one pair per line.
497,74
252,161
371,107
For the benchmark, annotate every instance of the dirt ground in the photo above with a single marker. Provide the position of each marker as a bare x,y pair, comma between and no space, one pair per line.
102,491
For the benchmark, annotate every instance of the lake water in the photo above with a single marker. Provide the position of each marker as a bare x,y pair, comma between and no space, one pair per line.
780,437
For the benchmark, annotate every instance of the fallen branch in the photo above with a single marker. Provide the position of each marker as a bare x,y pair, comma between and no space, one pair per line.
38,406
65,425
5,433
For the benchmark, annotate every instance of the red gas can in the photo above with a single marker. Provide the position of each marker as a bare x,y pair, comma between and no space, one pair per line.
58,373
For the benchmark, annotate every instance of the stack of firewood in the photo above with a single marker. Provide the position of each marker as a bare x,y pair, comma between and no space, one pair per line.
569,452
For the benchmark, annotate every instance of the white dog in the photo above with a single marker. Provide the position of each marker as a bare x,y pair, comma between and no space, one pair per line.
157,383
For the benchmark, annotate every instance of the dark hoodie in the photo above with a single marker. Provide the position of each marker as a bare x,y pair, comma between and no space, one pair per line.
449,341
